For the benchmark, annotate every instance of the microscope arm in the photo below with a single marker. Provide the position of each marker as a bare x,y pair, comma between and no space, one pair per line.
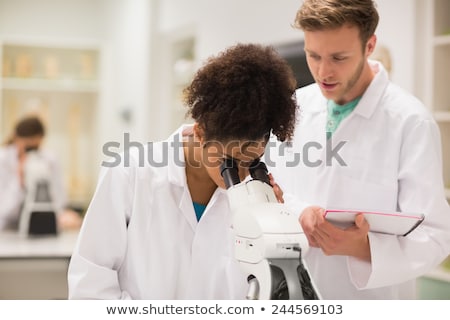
268,239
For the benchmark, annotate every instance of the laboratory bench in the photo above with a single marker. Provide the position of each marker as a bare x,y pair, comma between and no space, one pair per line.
35,268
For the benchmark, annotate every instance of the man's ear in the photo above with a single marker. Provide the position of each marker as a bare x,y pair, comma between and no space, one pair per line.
199,133
370,46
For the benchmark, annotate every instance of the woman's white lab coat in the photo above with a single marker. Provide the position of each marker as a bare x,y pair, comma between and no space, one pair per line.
12,194
141,240
389,160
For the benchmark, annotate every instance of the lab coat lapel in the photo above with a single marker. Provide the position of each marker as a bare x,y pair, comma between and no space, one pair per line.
177,176
187,208
219,196
374,92
314,143
366,106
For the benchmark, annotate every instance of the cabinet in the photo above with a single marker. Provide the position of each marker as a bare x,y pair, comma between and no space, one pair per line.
61,84
433,61
35,268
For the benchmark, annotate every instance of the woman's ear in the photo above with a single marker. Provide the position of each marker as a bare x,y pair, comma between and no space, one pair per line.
199,133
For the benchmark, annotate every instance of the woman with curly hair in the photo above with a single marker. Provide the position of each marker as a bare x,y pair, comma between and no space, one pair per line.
160,229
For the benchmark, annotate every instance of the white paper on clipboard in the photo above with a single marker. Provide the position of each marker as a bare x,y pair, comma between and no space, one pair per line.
396,223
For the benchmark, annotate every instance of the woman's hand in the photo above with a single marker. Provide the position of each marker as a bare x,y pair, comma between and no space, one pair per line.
276,189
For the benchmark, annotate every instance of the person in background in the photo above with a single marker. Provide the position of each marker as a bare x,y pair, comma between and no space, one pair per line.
28,135
160,228
366,144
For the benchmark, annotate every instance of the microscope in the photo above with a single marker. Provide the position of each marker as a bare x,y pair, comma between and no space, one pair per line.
268,241
38,214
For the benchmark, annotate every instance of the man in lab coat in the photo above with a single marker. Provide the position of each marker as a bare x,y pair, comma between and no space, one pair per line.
364,144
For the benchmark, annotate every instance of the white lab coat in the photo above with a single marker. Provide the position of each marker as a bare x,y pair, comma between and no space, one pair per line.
12,194
140,238
393,162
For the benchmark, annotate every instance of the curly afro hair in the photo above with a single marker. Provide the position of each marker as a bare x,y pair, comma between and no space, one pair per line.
244,93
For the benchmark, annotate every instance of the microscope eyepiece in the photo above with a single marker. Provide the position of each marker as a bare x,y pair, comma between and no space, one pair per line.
258,171
230,172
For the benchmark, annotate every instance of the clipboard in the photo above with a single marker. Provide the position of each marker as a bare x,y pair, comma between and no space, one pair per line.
395,223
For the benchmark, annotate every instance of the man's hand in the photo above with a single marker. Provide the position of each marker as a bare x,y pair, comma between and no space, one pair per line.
353,241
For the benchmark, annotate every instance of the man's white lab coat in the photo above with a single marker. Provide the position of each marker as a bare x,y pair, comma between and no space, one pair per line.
386,155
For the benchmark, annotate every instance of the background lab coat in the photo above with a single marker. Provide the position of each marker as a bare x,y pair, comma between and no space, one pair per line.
12,194
393,157
140,238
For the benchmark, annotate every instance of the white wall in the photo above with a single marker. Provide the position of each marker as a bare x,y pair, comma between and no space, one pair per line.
218,24
132,32
51,18
222,23
396,30
127,25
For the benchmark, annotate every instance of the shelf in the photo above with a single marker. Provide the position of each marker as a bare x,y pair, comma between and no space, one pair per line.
442,40
30,84
442,116
440,17
440,92
61,83
440,274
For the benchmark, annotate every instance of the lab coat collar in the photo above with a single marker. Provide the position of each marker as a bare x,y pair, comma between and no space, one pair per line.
177,175
320,102
374,92
177,172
